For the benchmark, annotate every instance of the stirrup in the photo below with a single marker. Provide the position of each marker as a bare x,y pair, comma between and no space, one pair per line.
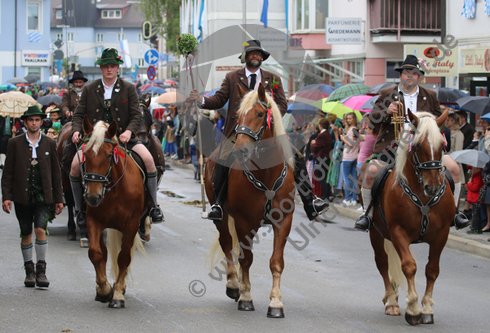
326,206
157,219
461,221
214,217
362,226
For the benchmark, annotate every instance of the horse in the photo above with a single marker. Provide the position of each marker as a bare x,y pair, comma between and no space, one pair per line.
116,199
255,196
151,142
66,150
417,187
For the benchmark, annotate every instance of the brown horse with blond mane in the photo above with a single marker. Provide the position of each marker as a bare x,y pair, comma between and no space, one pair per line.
417,205
260,190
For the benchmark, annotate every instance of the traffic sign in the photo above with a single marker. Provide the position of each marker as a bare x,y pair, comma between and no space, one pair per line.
151,57
152,73
58,55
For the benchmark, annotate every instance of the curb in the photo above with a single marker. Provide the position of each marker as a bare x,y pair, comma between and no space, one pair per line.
453,242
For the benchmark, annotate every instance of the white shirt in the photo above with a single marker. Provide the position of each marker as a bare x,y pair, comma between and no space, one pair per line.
108,89
258,79
410,100
34,153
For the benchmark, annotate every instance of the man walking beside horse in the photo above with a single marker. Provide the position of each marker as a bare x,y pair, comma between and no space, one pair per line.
249,78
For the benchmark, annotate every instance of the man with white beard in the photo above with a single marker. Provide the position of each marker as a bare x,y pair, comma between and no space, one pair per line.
71,96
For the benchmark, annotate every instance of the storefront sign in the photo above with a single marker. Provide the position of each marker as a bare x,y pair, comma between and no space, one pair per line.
475,61
228,68
445,64
343,30
36,58
272,39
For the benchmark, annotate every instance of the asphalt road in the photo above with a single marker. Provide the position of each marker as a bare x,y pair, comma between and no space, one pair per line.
330,282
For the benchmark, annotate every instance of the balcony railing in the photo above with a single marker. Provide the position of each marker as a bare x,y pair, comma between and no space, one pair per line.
407,17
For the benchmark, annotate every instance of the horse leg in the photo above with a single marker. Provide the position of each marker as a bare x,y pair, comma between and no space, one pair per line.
413,314
276,308
431,273
97,253
226,243
123,262
390,300
144,228
245,302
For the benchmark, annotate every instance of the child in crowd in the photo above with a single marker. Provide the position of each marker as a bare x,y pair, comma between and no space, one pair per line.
474,186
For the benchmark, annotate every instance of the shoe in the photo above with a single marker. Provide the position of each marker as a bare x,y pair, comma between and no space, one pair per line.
346,202
460,221
156,215
84,242
353,202
41,279
30,280
360,209
474,232
485,230
216,213
363,223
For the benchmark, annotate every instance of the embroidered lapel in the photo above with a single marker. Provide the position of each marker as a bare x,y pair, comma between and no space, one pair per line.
100,92
242,78
422,101
115,91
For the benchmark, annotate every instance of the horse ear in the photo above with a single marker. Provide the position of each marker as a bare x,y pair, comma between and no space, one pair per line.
442,118
148,102
261,91
413,118
112,129
87,126
241,92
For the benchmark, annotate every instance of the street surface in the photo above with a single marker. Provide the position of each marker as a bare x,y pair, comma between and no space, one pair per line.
330,282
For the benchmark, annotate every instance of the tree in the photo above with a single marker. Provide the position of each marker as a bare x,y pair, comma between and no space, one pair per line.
165,15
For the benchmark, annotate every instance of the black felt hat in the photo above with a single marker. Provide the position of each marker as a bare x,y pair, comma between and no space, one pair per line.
253,45
410,62
78,75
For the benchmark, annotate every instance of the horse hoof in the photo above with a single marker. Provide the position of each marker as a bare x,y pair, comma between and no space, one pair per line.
117,304
246,306
106,298
427,318
392,310
233,293
413,320
275,312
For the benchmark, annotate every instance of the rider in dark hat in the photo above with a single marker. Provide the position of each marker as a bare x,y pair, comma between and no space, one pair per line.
249,78
107,99
72,96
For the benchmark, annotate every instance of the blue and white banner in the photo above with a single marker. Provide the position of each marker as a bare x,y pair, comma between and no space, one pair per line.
125,53
487,7
265,9
468,9
203,22
34,36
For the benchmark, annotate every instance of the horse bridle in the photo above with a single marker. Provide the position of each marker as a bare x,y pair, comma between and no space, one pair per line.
257,136
98,178
428,165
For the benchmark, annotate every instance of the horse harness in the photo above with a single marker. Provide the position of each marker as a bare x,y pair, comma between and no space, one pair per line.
269,194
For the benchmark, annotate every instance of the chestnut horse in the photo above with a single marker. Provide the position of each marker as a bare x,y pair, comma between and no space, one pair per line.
116,199
260,190
418,189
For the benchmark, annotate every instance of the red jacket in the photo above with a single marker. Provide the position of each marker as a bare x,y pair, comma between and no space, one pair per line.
323,145
474,187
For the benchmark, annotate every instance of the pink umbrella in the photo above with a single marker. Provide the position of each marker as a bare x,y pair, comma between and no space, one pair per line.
308,96
146,86
356,102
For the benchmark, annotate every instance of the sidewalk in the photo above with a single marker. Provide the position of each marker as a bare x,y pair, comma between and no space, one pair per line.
458,239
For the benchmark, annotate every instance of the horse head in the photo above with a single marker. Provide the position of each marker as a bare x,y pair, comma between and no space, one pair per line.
255,122
145,128
426,151
98,154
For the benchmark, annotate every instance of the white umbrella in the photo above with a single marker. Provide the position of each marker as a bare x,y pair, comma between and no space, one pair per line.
472,157
13,104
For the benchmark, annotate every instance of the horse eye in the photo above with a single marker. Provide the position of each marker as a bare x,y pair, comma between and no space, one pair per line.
260,114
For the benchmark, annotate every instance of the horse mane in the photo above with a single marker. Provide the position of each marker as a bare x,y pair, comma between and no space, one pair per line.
279,133
427,129
97,137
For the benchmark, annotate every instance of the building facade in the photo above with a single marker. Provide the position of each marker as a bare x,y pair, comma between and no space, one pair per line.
25,36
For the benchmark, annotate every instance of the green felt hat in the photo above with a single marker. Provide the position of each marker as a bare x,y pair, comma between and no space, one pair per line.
33,111
109,56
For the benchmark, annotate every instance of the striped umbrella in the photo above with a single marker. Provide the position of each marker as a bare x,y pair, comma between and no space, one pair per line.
348,90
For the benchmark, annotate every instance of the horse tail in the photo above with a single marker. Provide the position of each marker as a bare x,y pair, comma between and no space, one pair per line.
114,242
398,279
216,255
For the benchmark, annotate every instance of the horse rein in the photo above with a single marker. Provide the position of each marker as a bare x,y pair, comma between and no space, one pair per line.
98,178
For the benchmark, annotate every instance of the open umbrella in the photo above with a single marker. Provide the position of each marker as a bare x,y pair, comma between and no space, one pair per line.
377,88
63,84
170,82
171,97
301,108
49,84
16,80
154,90
308,96
356,102
369,105
449,95
336,108
146,86
475,104
350,89
7,87
324,88
45,100
13,104
31,78
472,157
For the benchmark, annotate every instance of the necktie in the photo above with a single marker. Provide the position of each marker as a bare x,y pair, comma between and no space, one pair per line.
253,77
